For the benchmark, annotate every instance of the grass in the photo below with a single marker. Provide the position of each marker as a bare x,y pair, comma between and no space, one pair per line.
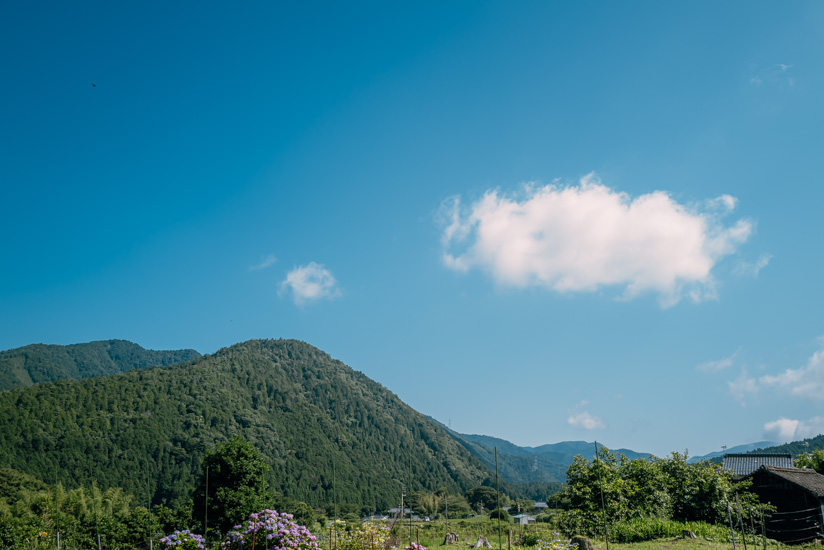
431,535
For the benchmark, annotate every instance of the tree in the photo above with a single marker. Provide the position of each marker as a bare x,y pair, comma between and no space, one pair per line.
237,485
483,496
814,460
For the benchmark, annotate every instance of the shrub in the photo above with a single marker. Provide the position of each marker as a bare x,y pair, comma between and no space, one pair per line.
183,540
273,530
361,536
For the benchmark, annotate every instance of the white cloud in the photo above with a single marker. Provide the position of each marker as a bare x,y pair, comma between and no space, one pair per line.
785,429
581,238
310,282
806,381
265,261
782,430
752,269
721,364
777,75
743,387
585,421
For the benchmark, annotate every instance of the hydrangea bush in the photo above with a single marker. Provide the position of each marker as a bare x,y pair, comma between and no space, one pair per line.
183,540
270,530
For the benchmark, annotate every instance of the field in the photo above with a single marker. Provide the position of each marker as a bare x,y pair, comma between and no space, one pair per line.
431,536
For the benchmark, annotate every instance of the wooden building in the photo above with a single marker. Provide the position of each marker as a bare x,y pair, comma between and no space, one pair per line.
798,496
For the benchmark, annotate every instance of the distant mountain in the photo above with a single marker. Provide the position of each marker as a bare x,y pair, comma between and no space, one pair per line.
329,433
48,363
530,465
737,449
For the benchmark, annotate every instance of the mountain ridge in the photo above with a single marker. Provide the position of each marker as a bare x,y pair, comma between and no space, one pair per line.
38,363
326,430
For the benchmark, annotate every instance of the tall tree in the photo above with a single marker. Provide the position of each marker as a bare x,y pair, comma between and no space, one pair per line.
237,485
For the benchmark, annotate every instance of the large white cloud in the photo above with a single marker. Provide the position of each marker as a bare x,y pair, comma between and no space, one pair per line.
310,282
786,429
583,237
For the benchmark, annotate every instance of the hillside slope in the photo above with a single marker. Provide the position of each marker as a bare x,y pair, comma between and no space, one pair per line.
37,363
312,418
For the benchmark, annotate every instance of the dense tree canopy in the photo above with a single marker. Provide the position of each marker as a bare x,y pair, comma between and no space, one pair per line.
234,473
328,433
652,488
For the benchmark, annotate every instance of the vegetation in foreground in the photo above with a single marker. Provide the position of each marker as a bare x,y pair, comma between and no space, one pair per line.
648,504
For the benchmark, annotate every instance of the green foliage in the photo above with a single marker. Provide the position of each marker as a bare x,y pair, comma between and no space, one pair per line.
647,489
423,502
360,536
499,513
643,529
235,472
457,505
813,460
484,496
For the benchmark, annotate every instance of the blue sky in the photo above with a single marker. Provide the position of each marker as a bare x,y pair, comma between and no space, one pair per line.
541,221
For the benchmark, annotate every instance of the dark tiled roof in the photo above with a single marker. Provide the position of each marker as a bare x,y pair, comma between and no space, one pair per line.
805,478
746,463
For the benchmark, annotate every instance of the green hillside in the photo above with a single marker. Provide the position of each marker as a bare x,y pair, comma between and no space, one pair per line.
312,418
37,363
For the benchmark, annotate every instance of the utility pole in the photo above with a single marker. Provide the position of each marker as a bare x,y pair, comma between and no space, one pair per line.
206,509
603,505
497,500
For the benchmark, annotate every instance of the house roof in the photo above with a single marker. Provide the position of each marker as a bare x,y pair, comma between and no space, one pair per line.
805,478
743,464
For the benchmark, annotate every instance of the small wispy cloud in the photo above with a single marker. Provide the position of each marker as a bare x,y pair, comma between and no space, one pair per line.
752,269
583,420
778,75
310,282
806,381
743,387
719,365
787,429
265,261
583,237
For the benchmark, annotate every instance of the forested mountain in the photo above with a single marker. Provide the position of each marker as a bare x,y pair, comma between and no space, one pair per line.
745,448
314,419
48,363
530,465
796,448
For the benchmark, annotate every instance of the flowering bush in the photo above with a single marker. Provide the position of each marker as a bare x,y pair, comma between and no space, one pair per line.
415,546
183,540
269,530
361,536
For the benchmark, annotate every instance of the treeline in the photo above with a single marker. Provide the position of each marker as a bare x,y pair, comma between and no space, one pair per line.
614,489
